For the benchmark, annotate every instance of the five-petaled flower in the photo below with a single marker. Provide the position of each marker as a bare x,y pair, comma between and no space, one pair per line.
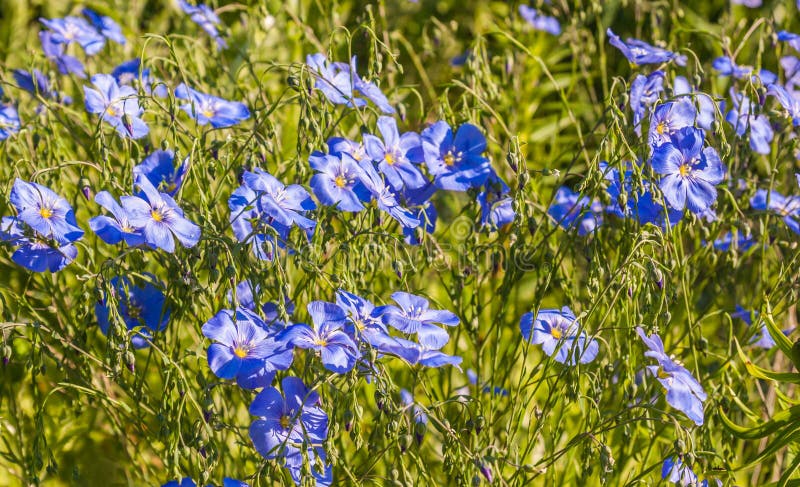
327,337
245,348
690,171
456,161
414,316
159,217
210,109
117,105
560,335
684,393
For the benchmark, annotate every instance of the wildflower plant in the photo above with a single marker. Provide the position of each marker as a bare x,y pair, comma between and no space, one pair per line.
399,243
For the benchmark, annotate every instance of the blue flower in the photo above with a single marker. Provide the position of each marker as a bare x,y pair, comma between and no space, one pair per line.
707,112
54,51
496,206
341,84
286,421
361,322
50,215
34,252
690,172
384,197
159,217
285,205
455,161
559,334
338,351
788,100
249,224
645,91
106,26
337,181
413,316
339,145
540,21
727,67
75,29
640,52
570,210
395,154
668,118
9,121
118,229
790,38
788,207
684,393
203,16
416,353
117,105
336,84
36,83
245,348
367,89
643,207
677,472
159,169
742,118
791,71
211,109
142,308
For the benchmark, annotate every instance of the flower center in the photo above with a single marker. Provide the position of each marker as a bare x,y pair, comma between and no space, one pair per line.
134,312
449,159
45,212
360,325
320,341
389,158
661,127
340,181
556,333
284,421
684,170
240,351
157,215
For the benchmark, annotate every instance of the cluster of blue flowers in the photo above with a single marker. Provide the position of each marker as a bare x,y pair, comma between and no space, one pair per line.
252,345
400,173
686,170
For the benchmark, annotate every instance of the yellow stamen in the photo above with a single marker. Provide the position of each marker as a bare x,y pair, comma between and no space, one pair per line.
684,170
340,181
661,128
240,352
389,159
46,212
556,333
285,422
208,113
156,215
321,342
449,159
